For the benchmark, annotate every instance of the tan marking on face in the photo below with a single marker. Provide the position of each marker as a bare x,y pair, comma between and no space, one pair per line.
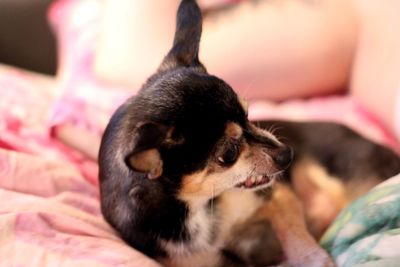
253,161
233,130
215,179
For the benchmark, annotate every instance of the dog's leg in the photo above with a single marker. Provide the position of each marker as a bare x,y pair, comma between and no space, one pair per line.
285,213
323,195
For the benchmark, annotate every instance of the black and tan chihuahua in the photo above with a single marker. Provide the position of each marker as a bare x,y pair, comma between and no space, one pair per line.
188,180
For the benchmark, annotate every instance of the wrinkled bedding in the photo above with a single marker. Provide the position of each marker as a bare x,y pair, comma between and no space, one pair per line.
50,213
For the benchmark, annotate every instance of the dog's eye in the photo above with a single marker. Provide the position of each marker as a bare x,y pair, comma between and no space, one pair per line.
230,155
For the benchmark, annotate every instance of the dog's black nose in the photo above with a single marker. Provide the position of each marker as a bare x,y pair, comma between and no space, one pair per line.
284,157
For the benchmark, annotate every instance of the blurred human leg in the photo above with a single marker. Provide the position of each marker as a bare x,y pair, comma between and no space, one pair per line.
375,79
265,49
281,49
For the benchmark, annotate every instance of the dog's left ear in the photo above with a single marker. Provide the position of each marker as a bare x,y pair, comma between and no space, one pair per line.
185,50
145,156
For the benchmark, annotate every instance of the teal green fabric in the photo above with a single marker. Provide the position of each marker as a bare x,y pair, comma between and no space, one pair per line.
367,233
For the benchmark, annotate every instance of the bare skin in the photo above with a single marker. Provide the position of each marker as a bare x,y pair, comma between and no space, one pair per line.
375,77
273,49
281,49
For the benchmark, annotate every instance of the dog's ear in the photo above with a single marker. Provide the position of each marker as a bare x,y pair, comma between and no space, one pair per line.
185,50
145,156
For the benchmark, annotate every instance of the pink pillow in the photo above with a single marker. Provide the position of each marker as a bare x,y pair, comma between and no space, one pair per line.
83,101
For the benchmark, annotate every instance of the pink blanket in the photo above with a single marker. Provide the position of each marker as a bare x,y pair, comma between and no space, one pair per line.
49,212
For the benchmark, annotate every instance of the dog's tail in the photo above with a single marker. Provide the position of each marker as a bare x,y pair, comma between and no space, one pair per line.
185,50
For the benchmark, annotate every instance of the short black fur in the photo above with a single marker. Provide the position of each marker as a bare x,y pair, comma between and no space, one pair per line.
180,96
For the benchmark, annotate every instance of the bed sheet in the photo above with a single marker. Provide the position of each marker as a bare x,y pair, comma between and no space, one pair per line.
50,214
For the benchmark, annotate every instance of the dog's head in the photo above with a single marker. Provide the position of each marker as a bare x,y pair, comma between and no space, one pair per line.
189,128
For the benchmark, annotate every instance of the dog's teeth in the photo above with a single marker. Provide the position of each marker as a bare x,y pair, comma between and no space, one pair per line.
253,179
248,182
259,178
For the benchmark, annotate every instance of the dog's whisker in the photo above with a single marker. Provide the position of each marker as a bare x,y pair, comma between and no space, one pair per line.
212,202
273,128
282,139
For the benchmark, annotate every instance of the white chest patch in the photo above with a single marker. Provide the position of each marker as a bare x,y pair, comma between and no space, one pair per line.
199,226
203,248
